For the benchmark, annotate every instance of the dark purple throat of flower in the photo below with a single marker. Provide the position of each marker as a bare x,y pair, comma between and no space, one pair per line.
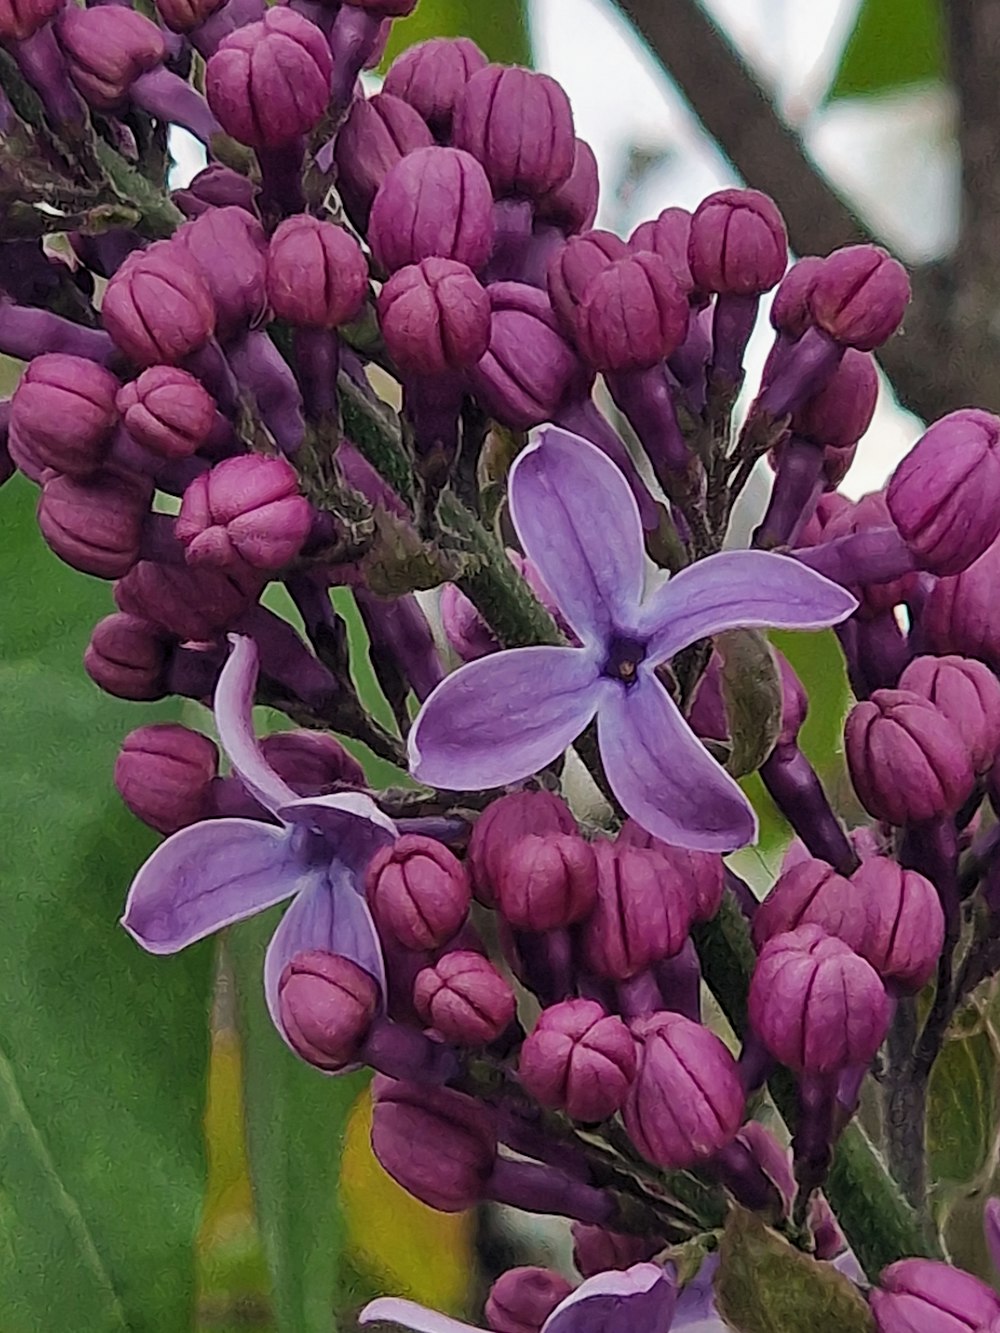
623,658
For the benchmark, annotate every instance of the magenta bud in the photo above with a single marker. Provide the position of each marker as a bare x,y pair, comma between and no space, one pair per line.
376,135
432,75
643,911
923,1296
465,998
20,19
579,1059
193,604
686,1102
184,16
269,82
841,411
95,524
168,411
960,613
791,312
464,628
596,1250
229,247
418,891
738,244
575,266
434,203
216,187
907,761
968,694
157,307
837,517
811,893
572,206
63,412
327,1005
546,881
815,1004
830,507
164,772
435,317
701,872
859,296
522,1299
634,315
107,48
313,763
245,509
668,236
439,1145
127,657
905,923
505,822
944,496
317,276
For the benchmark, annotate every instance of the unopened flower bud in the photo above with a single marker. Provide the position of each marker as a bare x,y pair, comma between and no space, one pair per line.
434,203
185,15
230,249
791,313
634,315
63,411
503,823
418,891
313,763
668,236
434,317
959,615
546,881
20,19
167,411
701,872
907,761
163,773
432,75
905,932
841,411
247,508
127,657
439,1145
817,1006
574,267
519,125
596,1250
464,628
95,524
216,187
968,694
317,276
859,296
465,998
643,911
923,1296
572,206
327,1004
158,307
686,1102
870,513
107,48
812,893
522,1299
579,1059
195,604
269,82
376,135
738,243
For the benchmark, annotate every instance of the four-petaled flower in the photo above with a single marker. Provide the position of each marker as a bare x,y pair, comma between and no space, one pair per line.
504,717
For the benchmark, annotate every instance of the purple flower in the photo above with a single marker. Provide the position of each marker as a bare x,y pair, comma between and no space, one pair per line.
216,872
504,717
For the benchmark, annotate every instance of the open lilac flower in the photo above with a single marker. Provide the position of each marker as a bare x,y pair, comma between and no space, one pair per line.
504,717
223,870
641,1300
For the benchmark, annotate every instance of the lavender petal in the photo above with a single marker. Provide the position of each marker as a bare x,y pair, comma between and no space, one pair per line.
233,705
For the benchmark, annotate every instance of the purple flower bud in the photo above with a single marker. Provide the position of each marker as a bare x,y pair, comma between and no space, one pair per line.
907,761
945,495
829,508
643,911
158,307
164,773
464,628
317,276
634,315
435,317
574,267
418,891
546,881
701,872
687,1101
434,203
905,923
313,763
579,1059
668,236
572,206
968,694
20,19
269,82
859,296
505,822
63,411
841,411
519,125
869,514
195,604
791,312
216,187
184,16
245,509
811,893
596,1250
107,48
168,411
439,1145
522,1299
127,657
959,615
738,243
376,135
432,75
95,524
817,1006
327,1005
465,998
922,1296
229,247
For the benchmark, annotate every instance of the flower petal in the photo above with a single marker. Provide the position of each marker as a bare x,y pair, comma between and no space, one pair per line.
579,525
696,1309
739,590
663,775
408,1314
641,1300
233,706
208,876
504,717
351,822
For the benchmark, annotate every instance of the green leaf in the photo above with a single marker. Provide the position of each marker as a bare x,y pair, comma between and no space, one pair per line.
295,1126
500,27
103,1048
895,44
962,1109
751,694
766,1286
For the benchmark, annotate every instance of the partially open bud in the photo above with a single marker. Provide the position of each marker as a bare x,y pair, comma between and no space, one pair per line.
643,911
327,1005
63,412
859,296
519,125
522,1299
158,307
968,694
574,267
230,249
127,657
905,932
579,1059
922,1296
702,872
164,772
434,203
245,509
546,881
738,243
313,763
635,314
465,998
418,891
812,893
95,524
434,317
167,411
107,48
376,135
572,206
432,75
503,823
317,276
195,604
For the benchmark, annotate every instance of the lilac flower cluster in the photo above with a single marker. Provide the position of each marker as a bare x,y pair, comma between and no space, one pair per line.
199,413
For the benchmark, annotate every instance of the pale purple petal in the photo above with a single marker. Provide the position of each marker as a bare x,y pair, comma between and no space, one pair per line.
352,824
208,876
696,1309
663,775
641,1300
579,525
233,705
408,1314
739,590
504,717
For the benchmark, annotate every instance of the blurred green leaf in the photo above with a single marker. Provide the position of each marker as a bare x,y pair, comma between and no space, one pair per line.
103,1049
895,44
751,694
500,27
962,1109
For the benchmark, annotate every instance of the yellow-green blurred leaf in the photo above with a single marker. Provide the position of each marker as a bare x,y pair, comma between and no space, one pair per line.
962,1109
751,693
499,26
895,44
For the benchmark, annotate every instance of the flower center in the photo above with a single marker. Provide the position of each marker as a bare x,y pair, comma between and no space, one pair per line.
622,661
